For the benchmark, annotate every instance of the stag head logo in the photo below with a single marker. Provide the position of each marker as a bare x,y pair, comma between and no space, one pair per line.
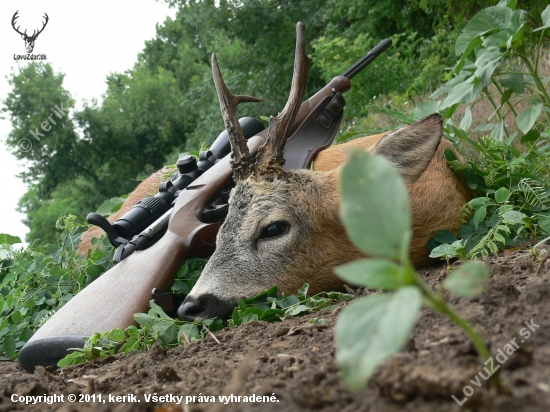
29,40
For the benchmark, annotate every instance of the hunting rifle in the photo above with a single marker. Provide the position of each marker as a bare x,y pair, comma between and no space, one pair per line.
111,300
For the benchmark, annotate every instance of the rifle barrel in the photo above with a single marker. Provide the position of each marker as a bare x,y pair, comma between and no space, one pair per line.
367,59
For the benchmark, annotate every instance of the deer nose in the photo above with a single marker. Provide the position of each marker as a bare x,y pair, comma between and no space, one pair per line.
188,310
205,306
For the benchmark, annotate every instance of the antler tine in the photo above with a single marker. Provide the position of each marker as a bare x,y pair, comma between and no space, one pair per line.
240,156
15,17
270,159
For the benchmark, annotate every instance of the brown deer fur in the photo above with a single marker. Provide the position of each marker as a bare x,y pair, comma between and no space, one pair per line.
436,198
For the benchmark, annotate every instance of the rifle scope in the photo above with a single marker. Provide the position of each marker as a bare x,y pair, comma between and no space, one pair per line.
149,209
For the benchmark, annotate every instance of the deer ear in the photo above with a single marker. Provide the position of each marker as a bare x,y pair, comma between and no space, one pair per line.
412,148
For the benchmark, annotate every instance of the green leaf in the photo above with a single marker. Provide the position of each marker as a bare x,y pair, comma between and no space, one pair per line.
375,207
116,335
544,224
302,292
373,273
527,119
74,358
445,236
371,329
425,109
190,330
513,217
467,280
514,82
9,346
110,206
502,195
530,136
545,19
252,314
466,121
498,132
298,310
6,239
446,251
480,215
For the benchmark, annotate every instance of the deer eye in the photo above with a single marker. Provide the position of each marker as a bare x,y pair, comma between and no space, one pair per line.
275,229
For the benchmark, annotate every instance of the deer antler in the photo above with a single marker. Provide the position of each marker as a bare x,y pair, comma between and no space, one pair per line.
34,33
15,16
43,26
270,159
240,156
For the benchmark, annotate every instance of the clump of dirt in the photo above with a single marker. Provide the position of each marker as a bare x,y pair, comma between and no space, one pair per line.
291,366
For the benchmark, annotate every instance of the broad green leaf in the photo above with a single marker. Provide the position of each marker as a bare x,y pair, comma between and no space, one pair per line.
374,204
467,280
513,217
530,136
74,358
110,206
158,310
9,346
514,82
371,329
502,195
302,292
6,239
527,119
544,224
297,310
545,19
251,314
475,42
480,215
425,109
445,236
462,93
117,335
190,330
498,132
466,121
373,273
465,232
4,253
447,251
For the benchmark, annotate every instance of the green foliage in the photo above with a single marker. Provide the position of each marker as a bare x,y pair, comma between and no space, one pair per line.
507,171
155,325
375,327
37,281
270,307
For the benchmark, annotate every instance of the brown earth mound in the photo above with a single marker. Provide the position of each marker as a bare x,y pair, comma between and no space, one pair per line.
291,366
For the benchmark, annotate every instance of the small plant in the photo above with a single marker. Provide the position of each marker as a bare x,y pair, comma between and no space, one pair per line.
155,325
376,213
270,307
36,281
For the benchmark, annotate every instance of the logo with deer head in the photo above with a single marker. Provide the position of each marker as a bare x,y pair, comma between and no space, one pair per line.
29,40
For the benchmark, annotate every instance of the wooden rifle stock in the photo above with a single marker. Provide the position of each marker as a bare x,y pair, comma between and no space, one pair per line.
111,300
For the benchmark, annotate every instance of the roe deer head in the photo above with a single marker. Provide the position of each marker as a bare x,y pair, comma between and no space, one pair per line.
283,228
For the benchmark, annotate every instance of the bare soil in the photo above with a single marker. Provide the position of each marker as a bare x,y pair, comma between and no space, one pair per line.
295,361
